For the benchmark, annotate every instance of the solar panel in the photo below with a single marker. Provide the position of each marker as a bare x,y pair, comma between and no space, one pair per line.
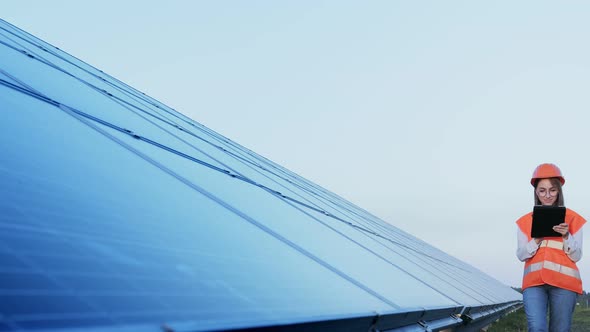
120,213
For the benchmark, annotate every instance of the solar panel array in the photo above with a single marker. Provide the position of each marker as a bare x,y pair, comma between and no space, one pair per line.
120,213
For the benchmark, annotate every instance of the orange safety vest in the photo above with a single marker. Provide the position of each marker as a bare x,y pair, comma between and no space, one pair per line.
550,265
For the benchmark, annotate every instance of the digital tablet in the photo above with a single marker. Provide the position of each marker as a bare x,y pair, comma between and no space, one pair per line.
544,218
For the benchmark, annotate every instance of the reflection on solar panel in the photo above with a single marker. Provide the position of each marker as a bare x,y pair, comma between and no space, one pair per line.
118,213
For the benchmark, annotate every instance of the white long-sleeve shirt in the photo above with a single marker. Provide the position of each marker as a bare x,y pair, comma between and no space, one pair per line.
572,246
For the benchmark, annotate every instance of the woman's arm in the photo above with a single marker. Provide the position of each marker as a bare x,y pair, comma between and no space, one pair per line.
572,245
525,248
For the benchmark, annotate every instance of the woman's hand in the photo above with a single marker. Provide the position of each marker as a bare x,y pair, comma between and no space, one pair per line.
538,239
562,229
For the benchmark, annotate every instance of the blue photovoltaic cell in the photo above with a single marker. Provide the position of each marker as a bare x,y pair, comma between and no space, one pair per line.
119,213
193,259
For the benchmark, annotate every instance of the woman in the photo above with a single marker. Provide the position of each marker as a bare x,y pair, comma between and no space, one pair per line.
551,278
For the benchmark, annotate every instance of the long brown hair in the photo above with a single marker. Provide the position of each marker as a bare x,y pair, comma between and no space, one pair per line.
557,184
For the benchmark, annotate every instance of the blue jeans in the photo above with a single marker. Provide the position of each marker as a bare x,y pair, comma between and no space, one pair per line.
561,304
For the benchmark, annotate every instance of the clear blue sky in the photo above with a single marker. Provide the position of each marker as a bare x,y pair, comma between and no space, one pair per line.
430,114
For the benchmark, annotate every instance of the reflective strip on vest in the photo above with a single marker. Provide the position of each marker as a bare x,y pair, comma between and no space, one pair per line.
568,271
551,244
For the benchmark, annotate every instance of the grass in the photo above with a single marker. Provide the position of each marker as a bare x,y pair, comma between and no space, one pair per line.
516,321
581,321
513,322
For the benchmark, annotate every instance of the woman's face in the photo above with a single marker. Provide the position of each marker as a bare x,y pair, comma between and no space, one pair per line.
546,192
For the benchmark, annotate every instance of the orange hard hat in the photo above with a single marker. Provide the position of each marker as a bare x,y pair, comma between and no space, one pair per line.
545,171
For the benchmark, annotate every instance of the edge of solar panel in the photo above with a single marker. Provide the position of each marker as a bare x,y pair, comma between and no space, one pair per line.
119,213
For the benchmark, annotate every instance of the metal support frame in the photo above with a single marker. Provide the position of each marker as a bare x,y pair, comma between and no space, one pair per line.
456,319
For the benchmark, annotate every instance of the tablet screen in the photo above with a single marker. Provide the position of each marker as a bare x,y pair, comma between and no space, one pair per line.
544,218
